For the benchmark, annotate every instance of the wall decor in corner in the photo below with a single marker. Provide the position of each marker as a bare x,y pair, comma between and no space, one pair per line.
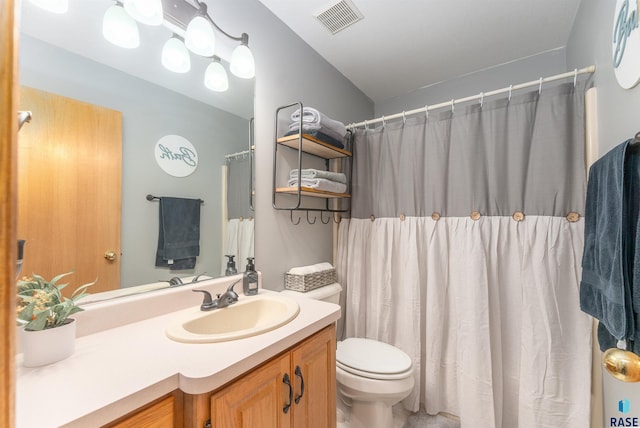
176,155
626,43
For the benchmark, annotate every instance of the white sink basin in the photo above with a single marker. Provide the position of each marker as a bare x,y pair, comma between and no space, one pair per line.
250,316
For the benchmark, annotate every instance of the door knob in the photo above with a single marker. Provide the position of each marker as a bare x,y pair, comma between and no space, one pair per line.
110,255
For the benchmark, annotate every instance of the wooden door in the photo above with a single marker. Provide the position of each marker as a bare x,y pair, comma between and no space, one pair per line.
69,189
255,400
314,363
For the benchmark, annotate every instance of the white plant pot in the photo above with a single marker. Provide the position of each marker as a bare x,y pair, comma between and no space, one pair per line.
48,346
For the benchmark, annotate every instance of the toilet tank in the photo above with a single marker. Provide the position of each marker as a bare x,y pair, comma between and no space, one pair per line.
327,293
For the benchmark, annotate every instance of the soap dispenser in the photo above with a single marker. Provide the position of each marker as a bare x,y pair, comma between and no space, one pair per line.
250,279
231,266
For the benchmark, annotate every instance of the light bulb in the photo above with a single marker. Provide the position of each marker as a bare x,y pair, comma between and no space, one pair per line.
55,6
242,62
119,28
215,77
175,56
199,37
148,12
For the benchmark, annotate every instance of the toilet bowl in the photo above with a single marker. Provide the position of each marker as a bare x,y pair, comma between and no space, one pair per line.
371,376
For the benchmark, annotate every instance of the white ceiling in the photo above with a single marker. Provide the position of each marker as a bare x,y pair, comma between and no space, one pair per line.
404,45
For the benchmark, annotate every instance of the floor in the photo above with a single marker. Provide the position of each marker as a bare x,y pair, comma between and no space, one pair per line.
403,419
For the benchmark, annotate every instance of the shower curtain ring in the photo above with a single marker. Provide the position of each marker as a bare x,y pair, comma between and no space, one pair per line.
366,126
384,123
575,77
481,99
453,107
404,118
426,111
540,87
510,89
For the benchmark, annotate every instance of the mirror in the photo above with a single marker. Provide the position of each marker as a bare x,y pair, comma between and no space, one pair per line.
65,54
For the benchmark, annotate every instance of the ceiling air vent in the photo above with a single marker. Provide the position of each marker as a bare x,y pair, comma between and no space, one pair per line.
339,16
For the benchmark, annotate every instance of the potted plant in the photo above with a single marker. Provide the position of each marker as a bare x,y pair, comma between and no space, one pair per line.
49,332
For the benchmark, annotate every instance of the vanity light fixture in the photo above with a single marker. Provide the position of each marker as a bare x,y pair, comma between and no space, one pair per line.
242,63
147,12
199,37
215,77
55,6
200,33
175,56
119,28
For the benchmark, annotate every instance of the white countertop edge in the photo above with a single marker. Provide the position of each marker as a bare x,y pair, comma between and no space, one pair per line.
126,405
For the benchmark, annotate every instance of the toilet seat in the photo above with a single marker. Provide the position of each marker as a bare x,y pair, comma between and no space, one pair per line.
372,359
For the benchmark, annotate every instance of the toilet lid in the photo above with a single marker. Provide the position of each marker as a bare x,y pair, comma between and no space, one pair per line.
368,357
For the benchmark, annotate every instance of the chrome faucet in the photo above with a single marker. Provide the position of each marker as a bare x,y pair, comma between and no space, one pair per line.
223,300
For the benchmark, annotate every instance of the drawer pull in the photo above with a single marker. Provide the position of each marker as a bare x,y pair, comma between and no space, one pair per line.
287,382
299,373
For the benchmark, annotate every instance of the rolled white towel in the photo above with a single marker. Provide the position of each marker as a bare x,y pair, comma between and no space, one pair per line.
305,270
319,173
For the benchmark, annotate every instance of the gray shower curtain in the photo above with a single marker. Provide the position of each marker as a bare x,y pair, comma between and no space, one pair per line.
464,249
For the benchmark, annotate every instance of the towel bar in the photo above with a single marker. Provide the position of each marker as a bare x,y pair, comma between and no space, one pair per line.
151,198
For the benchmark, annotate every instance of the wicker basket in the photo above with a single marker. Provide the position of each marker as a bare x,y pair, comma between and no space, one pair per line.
309,281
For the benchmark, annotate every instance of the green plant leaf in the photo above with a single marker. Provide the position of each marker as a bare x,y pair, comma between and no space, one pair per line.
40,322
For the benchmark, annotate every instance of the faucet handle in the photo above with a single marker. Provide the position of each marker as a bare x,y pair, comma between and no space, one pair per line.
230,288
207,300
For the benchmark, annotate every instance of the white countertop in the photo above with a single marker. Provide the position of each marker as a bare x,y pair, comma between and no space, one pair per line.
117,370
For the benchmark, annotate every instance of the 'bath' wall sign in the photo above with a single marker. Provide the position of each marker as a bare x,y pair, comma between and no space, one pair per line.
626,43
176,155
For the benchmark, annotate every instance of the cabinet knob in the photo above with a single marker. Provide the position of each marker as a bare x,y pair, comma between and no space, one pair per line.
110,255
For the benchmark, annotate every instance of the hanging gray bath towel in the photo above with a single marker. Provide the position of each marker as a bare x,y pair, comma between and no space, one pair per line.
179,233
610,286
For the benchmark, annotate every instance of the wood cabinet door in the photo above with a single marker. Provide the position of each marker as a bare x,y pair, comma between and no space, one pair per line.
256,399
163,413
69,190
313,364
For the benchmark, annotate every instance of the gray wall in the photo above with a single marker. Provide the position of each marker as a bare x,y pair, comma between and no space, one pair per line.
590,43
288,70
500,76
149,112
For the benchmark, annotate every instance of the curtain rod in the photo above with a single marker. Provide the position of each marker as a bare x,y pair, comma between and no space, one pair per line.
480,96
236,155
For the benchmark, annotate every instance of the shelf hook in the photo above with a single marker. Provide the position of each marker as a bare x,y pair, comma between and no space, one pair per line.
322,218
309,221
339,218
295,223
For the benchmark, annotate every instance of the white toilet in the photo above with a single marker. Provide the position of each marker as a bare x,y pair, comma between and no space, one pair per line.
371,376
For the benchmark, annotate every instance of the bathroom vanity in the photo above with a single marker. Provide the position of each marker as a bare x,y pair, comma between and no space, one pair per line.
126,372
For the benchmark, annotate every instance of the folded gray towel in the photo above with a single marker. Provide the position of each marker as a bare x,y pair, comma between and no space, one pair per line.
610,286
319,173
319,184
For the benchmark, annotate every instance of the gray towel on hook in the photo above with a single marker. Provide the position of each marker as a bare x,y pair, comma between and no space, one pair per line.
178,233
610,286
